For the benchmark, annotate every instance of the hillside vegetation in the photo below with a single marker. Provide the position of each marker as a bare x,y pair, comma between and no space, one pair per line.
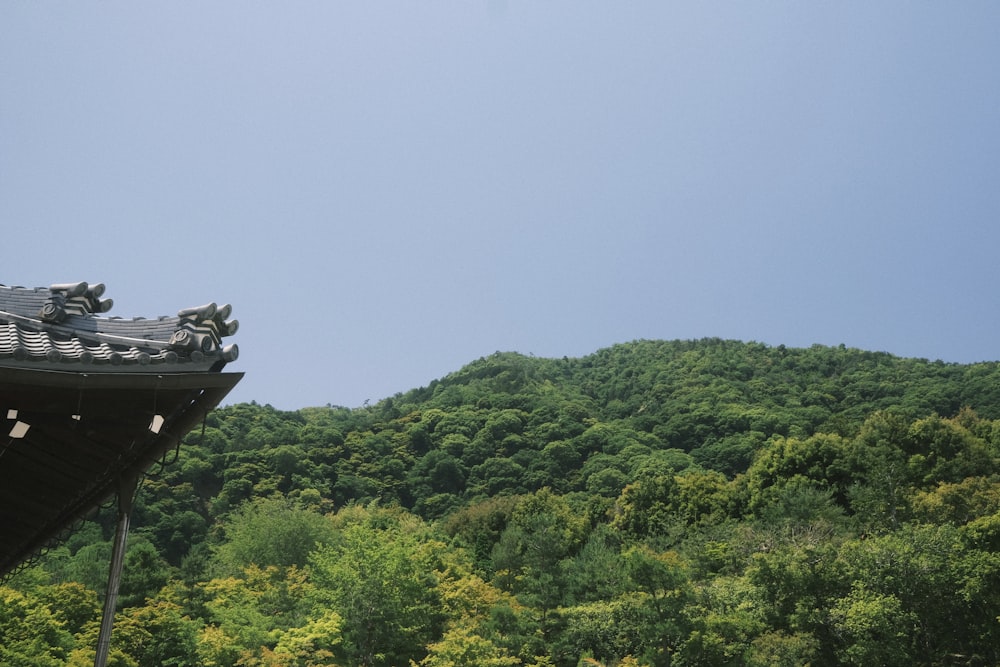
656,503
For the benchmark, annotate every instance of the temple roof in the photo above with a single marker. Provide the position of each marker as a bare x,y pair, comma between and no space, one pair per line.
86,400
61,328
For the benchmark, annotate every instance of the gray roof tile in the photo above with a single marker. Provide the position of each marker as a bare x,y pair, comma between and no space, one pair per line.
61,327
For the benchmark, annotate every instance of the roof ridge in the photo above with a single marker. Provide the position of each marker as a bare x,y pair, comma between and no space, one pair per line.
46,320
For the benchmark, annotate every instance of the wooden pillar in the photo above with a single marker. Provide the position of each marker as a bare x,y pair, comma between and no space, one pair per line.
127,485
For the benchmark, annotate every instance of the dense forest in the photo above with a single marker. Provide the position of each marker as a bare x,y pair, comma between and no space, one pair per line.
706,502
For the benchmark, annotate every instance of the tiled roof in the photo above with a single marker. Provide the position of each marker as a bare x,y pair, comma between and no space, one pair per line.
61,327
87,401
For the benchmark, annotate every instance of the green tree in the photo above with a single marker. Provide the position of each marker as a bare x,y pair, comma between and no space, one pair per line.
156,634
661,576
647,507
249,612
795,584
313,644
597,571
958,502
881,498
478,527
271,531
71,603
380,577
946,589
722,621
873,629
143,575
823,459
703,496
461,646
942,450
780,649
529,558
31,635
437,472
606,632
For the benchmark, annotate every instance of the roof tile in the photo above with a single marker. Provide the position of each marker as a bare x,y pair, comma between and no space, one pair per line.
60,326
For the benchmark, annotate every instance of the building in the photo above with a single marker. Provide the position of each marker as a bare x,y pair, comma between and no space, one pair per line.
89,403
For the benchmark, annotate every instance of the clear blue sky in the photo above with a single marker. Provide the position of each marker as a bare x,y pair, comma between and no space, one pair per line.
387,191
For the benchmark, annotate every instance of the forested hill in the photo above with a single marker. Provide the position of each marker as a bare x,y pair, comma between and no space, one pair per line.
711,397
706,502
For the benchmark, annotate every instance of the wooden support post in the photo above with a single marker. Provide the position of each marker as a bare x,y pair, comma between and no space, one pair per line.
127,485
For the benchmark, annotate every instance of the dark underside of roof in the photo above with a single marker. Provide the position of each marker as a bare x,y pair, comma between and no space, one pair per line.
67,439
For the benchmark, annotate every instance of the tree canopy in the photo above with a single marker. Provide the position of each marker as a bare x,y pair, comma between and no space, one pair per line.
656,503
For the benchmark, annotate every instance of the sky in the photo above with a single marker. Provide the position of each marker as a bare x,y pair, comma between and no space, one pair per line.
387,191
